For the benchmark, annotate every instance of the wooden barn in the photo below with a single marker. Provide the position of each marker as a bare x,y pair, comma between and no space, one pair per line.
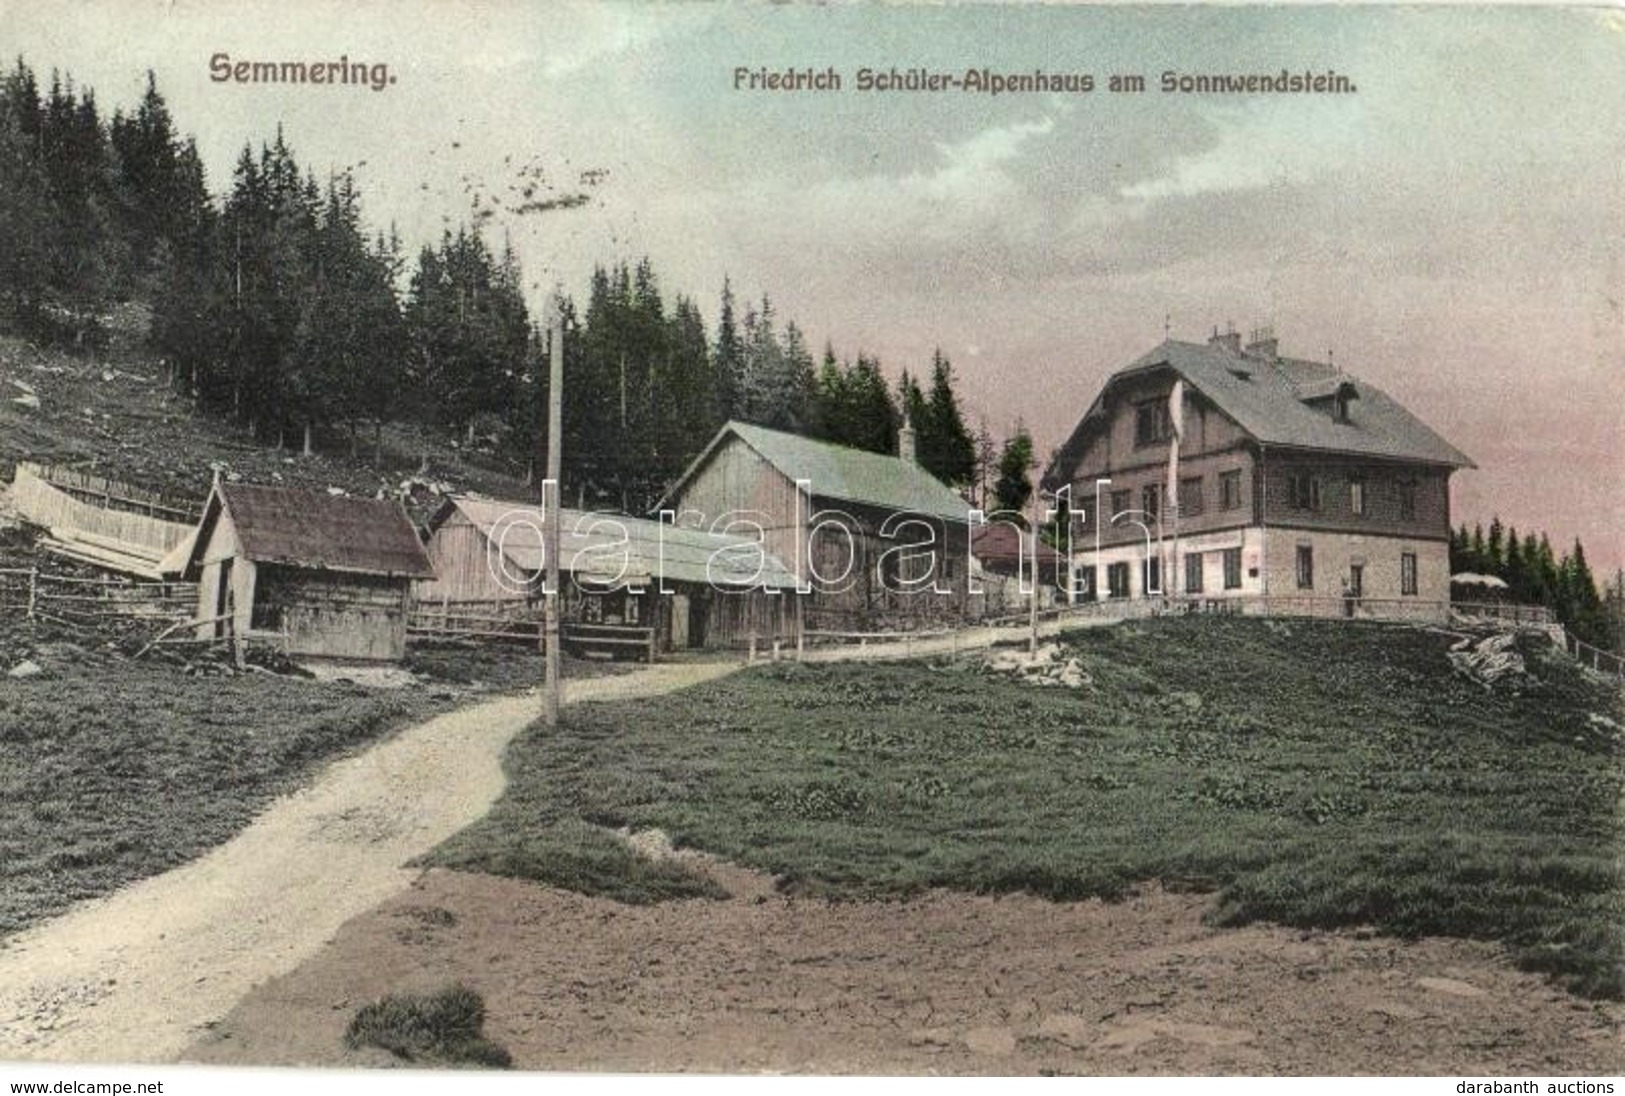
875,539
321,576
690,589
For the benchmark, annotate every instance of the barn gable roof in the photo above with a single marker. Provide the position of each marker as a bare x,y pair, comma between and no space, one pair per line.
317,531
840,473
590,546
1279,401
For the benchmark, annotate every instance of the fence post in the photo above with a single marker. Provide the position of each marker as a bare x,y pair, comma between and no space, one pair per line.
33,589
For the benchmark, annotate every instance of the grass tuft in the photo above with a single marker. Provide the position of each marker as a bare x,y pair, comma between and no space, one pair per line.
443,1028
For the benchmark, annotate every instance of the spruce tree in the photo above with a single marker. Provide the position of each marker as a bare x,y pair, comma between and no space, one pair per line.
947,450
1013,488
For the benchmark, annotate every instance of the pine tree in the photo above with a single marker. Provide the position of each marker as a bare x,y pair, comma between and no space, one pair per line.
1014,487
987,457
1494,552
1515,572
728,361
830,400
25,204
946,448
872,414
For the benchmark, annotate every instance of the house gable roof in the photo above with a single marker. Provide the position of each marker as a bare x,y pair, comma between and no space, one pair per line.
840,473
1279,402
317,531
589,545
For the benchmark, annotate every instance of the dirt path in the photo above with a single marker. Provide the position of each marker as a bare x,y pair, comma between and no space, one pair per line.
941,983
135,976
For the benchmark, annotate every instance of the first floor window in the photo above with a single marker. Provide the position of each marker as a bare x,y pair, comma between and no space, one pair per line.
1305,491
1357,496
1151,500
1190,497
1407,499
1193,573
1407,573
1232,568
1230,490
1120,504
1117,579
1306,567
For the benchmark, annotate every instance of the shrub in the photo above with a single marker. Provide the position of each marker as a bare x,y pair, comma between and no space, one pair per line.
442,1028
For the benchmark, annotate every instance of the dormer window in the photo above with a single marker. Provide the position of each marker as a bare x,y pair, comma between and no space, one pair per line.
1333,401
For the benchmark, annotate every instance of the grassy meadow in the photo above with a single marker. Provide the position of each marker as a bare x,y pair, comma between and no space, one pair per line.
112,770
1311,773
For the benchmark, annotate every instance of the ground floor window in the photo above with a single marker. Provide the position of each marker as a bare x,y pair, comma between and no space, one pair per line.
1083,583
1306,567
1117,580
1232,568
1153,577
1193,572
1407,573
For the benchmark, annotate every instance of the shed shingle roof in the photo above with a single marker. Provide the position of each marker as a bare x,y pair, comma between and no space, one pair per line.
843,474
310,529
1266,398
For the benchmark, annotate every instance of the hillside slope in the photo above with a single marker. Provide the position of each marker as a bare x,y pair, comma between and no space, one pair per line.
113,412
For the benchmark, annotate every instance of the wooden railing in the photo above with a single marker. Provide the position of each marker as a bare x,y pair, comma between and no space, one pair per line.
1604,662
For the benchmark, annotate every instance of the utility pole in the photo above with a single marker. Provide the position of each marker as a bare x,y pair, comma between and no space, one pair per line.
551,515
1032,602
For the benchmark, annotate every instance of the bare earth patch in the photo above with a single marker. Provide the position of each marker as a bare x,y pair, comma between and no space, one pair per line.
943,983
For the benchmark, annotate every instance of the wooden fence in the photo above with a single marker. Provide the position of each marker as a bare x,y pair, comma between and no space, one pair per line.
106,494
100,528
90,601
484,621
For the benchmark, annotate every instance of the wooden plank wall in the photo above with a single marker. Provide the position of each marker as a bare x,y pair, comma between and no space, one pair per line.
333,615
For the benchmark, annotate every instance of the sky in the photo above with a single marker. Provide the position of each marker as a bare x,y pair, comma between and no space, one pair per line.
1451,230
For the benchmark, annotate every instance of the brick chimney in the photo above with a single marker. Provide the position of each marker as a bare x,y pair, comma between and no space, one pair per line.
1263,344
1230,340
905,441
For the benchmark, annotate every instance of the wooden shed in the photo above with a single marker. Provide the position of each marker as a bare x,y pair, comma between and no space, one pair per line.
322,576
694,589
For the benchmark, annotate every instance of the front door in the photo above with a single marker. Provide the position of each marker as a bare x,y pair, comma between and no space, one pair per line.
679,621
1356,588
224,602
